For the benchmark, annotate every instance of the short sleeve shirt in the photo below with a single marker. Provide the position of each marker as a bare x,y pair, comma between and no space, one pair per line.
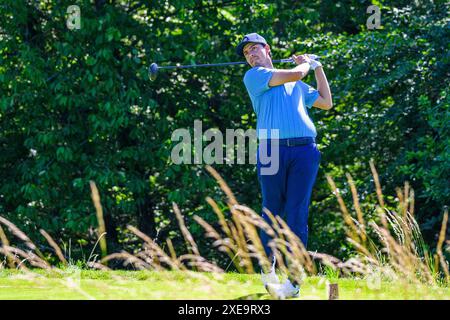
282,107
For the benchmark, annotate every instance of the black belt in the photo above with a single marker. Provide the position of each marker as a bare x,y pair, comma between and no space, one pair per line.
290,142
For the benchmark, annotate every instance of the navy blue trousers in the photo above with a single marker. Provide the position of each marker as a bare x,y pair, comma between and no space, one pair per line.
287,193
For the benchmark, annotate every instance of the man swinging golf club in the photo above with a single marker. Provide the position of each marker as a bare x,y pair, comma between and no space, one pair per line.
280,100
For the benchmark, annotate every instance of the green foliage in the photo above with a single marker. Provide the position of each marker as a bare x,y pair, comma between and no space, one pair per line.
76,105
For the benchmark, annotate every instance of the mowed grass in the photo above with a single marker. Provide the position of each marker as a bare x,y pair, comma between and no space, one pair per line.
89,284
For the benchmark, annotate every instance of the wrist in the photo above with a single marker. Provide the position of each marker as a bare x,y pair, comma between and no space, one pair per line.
318,68
315,64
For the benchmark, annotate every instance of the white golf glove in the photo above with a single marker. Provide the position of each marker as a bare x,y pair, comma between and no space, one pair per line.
314,64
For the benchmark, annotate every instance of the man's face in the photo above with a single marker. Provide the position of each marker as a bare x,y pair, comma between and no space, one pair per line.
256,54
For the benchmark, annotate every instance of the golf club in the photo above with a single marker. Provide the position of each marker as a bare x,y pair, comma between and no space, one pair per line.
154,68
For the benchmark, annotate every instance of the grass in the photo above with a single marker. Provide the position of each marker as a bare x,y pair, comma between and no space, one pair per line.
172,285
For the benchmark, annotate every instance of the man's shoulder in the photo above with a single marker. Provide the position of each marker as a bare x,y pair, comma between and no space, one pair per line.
255,71
250,71
249,74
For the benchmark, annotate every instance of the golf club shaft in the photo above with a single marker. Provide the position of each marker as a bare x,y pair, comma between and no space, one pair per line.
153,68
221,64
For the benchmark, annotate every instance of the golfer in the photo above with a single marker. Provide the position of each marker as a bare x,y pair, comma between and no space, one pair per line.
281,101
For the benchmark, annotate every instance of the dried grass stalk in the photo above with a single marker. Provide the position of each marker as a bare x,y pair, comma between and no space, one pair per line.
222,221
5,242
192,247
444,264
224,245
222,184
29,256
359,213
242,240
54,246
14,258
353,230
99,212
377,183
156,253
128,258
18,233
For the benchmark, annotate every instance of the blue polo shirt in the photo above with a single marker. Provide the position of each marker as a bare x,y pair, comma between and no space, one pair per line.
282,107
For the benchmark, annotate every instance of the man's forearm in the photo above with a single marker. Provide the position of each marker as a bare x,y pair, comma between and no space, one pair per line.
281,76
322,85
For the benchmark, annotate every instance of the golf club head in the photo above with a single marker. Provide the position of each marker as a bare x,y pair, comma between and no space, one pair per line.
153,71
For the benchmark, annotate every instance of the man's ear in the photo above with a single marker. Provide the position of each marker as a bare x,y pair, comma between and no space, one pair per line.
267,47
